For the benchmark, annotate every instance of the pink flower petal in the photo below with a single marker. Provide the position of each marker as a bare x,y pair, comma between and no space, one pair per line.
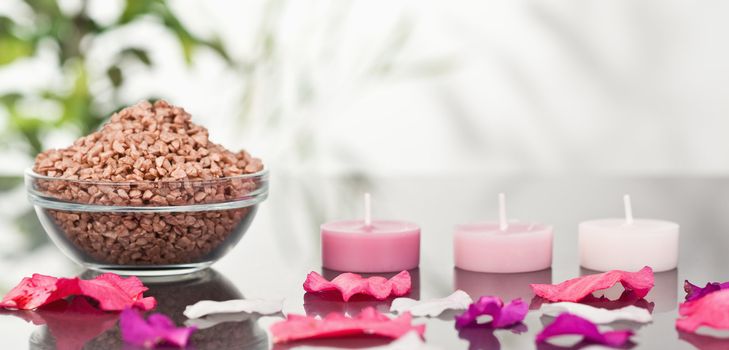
694,292
575,289
349,284
502,315
568,324
113,293
368,322
157,330
712,311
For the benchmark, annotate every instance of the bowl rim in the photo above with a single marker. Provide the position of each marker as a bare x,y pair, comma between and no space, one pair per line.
252,198
29,172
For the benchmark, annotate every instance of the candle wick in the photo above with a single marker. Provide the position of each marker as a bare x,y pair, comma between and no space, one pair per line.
367,210
628,210
503,223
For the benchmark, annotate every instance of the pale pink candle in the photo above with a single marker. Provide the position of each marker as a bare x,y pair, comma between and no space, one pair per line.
503,246
628,243
370,246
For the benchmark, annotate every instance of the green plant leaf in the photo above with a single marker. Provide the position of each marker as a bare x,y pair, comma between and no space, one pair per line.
138,54
115,75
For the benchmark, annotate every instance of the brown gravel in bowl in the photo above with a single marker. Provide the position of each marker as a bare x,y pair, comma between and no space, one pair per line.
147,155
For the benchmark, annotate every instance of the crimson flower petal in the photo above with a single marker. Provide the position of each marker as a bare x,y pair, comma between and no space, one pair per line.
502,315
158,329
349,284
712,310
694,292
113,293
640,283
334,325
568,324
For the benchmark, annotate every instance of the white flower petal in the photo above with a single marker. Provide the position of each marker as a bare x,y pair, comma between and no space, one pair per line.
209,307
598,315
459,300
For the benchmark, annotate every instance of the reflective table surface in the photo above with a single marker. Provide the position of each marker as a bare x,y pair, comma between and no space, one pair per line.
282,246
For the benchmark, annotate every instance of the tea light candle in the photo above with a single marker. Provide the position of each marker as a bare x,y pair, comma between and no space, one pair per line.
370,245
628,244
503,246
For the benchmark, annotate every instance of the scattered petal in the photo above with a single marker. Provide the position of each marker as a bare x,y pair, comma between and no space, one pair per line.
694,292
575,289
598,315
409,341
459,300
712,311
502,315
258,306
113,293
368,322
349,284
158,329
568,324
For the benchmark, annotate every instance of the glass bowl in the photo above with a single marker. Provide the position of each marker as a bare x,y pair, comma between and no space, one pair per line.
150,228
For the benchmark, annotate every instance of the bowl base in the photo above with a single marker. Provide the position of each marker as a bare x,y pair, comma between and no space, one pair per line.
149,270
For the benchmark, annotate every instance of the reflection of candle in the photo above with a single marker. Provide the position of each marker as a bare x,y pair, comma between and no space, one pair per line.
628,244
503,246
507,286
370,245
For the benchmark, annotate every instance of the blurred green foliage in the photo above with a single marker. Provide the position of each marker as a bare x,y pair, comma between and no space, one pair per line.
69,34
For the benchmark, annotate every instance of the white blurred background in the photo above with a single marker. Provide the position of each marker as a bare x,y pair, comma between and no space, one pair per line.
422,87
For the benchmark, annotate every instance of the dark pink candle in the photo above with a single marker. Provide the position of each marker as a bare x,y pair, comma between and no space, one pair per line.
370,245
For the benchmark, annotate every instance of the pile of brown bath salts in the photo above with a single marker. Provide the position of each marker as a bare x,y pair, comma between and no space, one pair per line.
147,155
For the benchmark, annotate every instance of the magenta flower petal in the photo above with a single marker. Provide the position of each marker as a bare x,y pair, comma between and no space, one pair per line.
568,324
712,311
694,292
574,290
369,322
502,315
157,330
349,284
113,293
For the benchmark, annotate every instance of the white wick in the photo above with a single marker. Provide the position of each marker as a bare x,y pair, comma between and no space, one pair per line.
367,210
503,223
628,210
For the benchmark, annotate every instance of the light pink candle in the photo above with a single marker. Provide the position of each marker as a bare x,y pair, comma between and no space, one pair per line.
503,246
628,243
370,246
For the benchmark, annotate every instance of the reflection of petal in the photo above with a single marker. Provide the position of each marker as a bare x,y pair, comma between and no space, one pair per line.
568,324
208,307
322,304
213,320
598,315
481,337
704,342
457,301
410,341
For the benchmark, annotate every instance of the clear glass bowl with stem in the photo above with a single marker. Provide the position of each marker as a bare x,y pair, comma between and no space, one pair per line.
147,228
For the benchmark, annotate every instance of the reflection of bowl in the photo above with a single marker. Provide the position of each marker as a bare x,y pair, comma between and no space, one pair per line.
172,298
146,228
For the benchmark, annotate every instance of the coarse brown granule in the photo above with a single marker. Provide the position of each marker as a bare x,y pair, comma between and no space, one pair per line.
147,155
